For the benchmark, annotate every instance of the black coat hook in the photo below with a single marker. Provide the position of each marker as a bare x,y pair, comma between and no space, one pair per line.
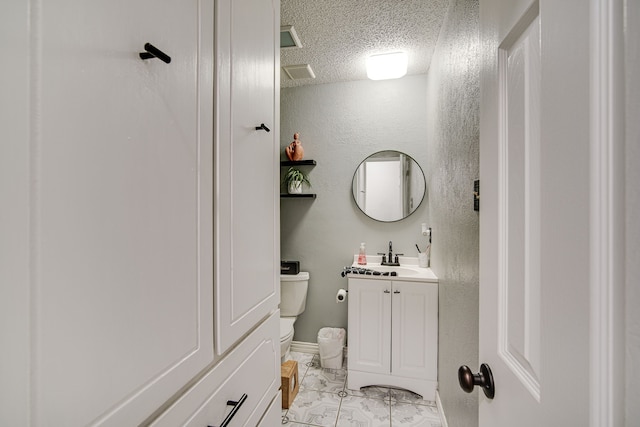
263,127
154,52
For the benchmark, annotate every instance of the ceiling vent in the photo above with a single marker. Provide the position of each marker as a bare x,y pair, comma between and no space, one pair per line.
297,72
288,37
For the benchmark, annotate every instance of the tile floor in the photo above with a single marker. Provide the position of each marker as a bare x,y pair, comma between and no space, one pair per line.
324,400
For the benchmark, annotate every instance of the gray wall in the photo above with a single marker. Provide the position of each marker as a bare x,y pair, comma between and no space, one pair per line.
341,124
453,165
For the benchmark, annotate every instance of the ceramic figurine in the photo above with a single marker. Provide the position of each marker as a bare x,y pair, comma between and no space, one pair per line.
294,150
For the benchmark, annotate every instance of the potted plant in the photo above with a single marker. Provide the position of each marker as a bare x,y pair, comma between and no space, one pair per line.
294,178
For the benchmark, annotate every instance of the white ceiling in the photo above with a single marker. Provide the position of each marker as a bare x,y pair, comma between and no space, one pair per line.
338,35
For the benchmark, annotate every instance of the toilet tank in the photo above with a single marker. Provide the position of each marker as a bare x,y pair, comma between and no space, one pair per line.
293,293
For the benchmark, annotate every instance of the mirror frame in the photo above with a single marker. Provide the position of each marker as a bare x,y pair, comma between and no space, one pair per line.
355,174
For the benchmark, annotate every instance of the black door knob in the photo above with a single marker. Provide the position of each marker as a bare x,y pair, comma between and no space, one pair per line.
484,379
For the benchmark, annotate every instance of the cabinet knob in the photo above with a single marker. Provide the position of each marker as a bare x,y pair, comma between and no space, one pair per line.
387,291
396,292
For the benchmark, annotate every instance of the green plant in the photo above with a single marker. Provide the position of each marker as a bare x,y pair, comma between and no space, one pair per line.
295,175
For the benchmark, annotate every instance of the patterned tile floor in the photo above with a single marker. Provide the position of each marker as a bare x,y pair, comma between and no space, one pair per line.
324,400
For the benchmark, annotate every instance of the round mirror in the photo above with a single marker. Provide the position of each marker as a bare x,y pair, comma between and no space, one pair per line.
388,186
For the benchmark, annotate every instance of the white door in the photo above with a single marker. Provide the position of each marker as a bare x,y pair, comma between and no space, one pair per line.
534,213
247,167
369,322
121,205
384,178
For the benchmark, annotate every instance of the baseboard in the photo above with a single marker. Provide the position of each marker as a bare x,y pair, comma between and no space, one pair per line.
304,347
312,348
443,419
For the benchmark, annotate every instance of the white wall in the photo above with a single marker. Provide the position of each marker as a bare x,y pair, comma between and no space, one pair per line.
341,124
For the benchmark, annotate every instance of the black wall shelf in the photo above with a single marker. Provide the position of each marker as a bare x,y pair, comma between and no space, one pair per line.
298,163
297,196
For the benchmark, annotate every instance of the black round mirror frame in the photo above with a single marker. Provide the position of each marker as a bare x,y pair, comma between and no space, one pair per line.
408,203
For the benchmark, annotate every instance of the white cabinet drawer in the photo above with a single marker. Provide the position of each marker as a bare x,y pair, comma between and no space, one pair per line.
273,416
252,368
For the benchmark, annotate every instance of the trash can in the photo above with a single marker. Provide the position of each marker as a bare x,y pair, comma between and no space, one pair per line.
331,344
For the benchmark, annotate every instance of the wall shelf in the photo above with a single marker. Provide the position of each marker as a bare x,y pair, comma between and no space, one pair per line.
298,163
297,196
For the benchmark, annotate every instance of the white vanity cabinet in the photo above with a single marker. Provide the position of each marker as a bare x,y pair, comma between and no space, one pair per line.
393,334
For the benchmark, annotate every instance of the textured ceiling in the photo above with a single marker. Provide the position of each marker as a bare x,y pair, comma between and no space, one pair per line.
338,35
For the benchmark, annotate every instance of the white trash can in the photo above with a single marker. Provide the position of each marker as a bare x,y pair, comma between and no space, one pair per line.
331,344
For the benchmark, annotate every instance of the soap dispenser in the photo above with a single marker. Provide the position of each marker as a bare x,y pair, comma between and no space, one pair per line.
362,255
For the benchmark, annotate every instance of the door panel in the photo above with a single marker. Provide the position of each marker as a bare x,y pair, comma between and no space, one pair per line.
534,219
122,207
247,179
519,281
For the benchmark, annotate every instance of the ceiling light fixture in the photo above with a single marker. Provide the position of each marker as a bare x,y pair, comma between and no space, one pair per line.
387,66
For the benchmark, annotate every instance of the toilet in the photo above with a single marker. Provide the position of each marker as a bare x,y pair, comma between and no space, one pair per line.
293,300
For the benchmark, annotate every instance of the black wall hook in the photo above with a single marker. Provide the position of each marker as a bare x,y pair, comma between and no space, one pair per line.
263,127
154,52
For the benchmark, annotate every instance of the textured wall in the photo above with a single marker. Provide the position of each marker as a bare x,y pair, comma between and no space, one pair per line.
453,165
340,124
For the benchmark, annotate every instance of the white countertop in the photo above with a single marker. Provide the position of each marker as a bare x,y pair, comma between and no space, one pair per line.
417,274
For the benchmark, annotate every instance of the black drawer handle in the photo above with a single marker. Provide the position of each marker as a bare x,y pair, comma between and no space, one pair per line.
154,52
236,407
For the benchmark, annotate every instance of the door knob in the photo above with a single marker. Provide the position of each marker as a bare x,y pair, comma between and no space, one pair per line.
483,379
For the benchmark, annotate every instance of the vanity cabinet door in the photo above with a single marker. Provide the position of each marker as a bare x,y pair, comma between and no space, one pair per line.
247,204
369,320
414,330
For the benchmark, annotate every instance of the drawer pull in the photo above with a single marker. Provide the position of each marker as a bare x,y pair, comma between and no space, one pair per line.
236,406
154,52
263,127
